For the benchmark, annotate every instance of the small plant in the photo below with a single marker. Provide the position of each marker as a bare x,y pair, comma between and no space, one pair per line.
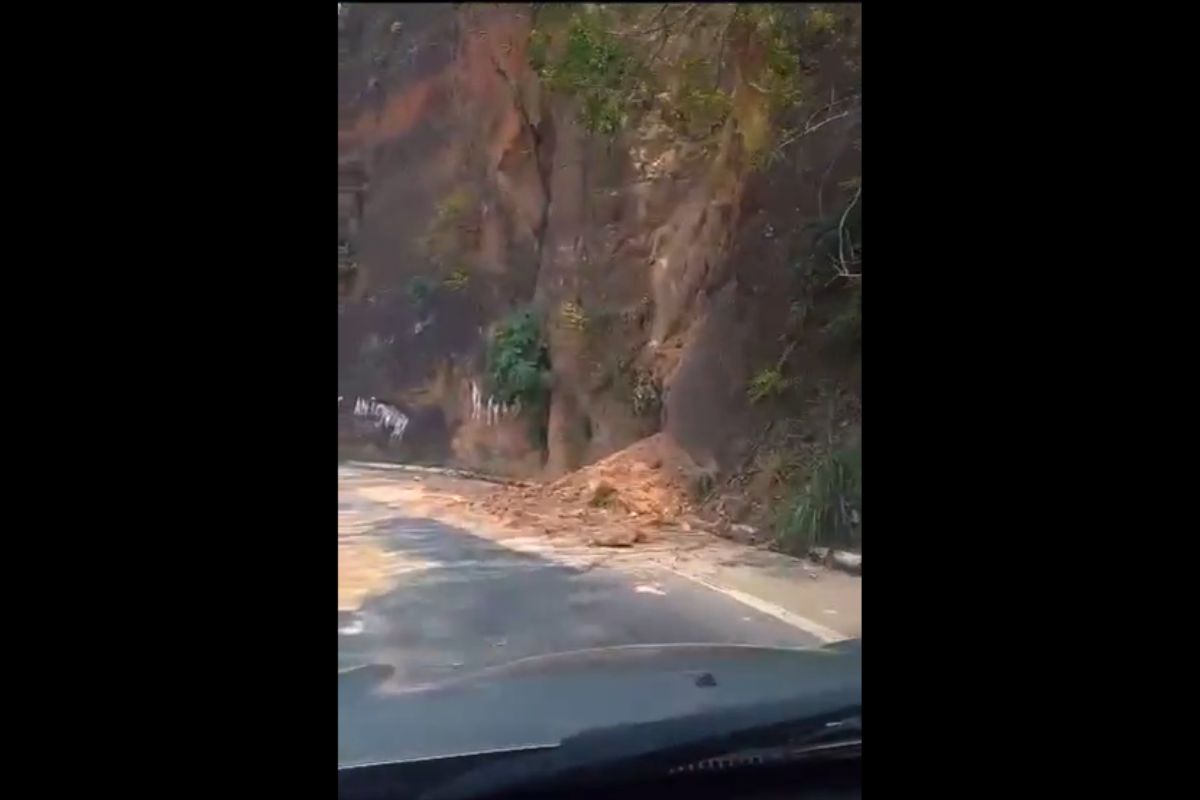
449,226
454,206
573,316
767,383
646,395
697,108
539,45
706,109
518,361
828,510
457,280
592,59
699,112
602,113
820,20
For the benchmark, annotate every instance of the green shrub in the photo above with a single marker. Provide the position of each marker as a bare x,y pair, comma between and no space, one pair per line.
448,230
828,510
767,383
646,395
602,112
593,66
820,20
573,316
696,107
539,45
457,280
518,361
703,110
592,59
453,207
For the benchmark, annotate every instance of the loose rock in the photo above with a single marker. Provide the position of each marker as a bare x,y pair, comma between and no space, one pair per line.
615,538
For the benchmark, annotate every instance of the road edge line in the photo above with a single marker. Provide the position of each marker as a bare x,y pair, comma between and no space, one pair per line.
826,635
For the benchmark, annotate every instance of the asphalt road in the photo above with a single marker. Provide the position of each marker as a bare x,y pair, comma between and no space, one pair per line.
472,603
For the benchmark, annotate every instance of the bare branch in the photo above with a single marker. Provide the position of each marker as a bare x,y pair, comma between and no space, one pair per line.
841,266
787,351
842,223
810,128
668,23
662,10
666,35
825,177
721,50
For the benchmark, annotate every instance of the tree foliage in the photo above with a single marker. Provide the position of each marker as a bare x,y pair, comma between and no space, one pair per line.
593,65
518,360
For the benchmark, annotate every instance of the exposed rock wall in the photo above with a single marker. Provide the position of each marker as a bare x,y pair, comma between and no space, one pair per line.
664,268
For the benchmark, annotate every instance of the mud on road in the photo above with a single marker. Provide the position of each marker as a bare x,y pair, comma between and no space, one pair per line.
823,603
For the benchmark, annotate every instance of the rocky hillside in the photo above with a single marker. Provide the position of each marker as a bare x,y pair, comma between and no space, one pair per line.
566,227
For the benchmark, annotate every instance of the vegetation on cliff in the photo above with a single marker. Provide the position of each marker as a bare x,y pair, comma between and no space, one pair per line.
756,104
826,511
518,361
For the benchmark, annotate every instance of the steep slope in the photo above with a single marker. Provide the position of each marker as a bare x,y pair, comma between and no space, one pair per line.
670,190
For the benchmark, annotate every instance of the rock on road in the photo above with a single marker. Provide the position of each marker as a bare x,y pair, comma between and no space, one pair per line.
451,602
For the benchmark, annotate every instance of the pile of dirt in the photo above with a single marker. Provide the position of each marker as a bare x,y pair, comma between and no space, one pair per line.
638,494
674,269
649,478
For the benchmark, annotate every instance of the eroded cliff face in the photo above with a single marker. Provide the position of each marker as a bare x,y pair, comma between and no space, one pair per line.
671,257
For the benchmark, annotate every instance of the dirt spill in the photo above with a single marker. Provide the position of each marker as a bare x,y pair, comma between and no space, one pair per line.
639,494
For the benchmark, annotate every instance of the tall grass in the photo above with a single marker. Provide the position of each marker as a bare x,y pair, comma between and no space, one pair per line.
827,511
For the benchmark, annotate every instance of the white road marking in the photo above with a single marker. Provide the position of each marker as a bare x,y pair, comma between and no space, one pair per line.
585,557
778,612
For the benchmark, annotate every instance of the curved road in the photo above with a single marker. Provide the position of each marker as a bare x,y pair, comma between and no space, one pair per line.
464,602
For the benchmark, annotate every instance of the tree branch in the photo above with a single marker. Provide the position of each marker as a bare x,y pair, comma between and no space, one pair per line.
842,270
810,128
662,10
787,351
666,34
666,23
841,151
721,50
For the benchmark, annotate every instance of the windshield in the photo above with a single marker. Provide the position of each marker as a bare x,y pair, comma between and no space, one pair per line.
599,365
